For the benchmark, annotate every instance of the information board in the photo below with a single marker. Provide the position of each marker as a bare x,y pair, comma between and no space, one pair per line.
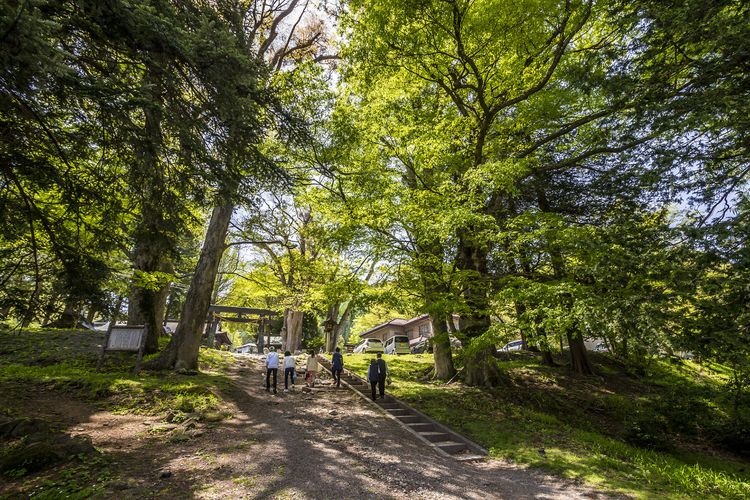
125,338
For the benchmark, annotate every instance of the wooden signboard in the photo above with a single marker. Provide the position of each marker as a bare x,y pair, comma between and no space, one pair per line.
127,338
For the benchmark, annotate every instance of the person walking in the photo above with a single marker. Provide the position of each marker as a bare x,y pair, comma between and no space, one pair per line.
272,367
382,375
373,375
289,366
337,366
311,370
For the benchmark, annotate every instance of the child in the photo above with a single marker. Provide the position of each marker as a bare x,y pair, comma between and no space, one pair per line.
312,369
289,365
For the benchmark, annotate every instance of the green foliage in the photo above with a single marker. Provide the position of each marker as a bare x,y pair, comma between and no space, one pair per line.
605,432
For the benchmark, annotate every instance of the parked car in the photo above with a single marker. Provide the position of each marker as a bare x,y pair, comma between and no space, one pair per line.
515,345
600,347
368,346
422,346
398,344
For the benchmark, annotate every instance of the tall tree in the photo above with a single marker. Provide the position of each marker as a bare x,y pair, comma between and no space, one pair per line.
267,34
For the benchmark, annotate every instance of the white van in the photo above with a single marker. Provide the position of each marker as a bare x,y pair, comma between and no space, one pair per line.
398,344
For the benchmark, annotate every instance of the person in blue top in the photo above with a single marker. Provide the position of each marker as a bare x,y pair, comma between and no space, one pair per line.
373,375
337,366
272,367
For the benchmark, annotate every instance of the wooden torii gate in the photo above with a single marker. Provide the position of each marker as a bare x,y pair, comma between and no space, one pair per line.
217,314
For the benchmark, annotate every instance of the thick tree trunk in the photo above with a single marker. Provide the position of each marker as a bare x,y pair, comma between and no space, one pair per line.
579,360
146,306
481,368
441,349
182,351
337,325
329,326
293,329
473,259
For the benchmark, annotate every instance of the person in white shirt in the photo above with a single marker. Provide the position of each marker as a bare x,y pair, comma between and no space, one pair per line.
272,366
289,365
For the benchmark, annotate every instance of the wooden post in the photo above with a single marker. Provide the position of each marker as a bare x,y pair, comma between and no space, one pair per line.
212,331
260,342
104,345
141,349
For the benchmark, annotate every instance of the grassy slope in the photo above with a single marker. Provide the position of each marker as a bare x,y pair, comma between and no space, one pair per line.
66,360
580,427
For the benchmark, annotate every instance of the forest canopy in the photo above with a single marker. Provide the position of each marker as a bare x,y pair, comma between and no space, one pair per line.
542,170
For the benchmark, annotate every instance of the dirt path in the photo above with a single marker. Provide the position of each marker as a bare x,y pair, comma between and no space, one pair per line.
325,444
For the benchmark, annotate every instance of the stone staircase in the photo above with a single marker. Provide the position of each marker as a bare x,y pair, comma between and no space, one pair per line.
431,433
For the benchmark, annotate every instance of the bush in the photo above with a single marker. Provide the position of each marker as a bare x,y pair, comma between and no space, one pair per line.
647,430
736,438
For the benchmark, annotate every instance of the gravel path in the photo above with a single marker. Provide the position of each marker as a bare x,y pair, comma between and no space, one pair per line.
333,444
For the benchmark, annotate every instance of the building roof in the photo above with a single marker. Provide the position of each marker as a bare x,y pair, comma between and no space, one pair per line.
393,322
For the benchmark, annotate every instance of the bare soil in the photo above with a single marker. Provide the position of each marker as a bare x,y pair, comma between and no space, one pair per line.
328,443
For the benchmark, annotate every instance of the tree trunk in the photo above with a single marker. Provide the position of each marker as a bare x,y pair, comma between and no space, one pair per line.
329,326
579,360
441,349
473,259
337,325
293,328
260,342
146,306
341,327
182,351
481,368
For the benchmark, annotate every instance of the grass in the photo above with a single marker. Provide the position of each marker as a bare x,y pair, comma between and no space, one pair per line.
585,427
65,360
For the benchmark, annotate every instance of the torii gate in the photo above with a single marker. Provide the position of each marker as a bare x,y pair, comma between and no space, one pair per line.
217,314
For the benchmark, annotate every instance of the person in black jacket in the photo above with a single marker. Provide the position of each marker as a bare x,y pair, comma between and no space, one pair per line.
337,366
373,375
382,375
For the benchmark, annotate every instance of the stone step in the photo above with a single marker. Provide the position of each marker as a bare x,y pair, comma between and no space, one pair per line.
451,447
434,436
468,457
399,411
438,436
410,419
388,405
421,426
